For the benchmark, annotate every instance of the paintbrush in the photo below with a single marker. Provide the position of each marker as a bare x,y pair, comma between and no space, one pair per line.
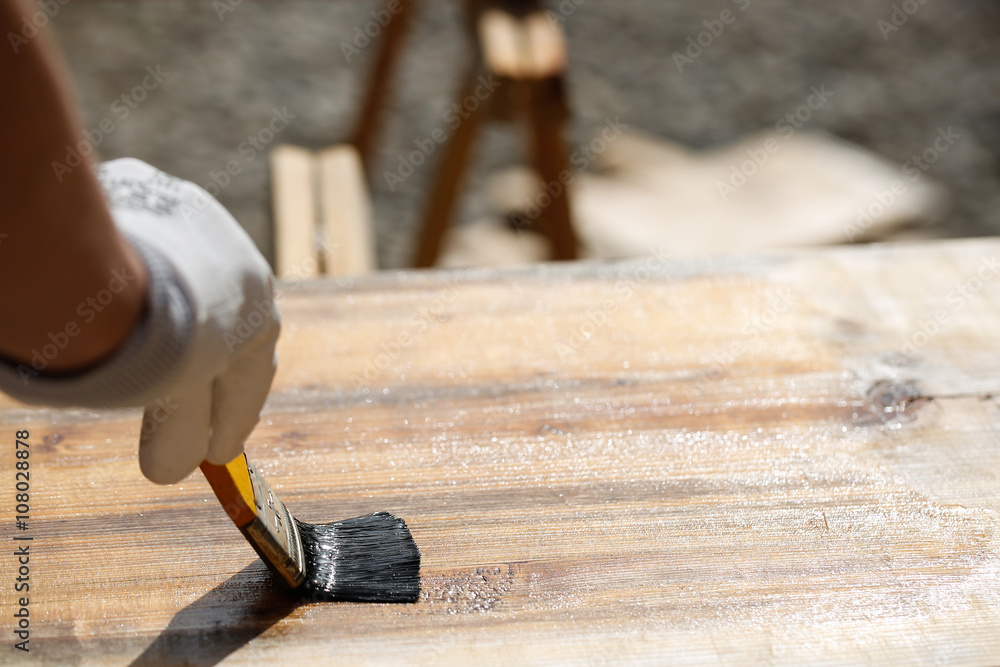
367,559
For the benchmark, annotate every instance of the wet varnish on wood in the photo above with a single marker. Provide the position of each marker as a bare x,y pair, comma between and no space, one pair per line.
778,460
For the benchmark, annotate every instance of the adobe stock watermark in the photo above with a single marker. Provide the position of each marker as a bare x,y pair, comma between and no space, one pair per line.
581,158
563,11
913,169
419,323
900,16
455,116
696,44
247,150
87,310
30,25
779,302
927,329
740,175
121,108
625,288
370,30
264,312
223,7
154,415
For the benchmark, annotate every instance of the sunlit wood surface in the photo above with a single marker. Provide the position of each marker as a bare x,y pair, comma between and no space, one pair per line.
759,461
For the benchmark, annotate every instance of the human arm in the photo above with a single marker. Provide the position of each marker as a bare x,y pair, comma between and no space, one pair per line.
127,288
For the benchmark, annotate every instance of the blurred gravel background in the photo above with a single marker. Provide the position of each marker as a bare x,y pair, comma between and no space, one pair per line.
940,69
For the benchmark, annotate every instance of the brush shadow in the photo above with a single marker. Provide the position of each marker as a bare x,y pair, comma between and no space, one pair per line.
214,626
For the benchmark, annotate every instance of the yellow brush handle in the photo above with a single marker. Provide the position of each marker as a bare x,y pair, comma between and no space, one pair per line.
260,515
232,487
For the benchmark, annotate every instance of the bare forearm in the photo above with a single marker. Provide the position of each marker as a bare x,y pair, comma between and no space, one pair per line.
62,262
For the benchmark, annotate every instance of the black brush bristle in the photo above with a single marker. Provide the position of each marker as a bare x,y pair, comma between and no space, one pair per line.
368,559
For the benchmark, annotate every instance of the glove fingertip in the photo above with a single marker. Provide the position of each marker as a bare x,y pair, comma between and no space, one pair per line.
171,471
173,443
223,450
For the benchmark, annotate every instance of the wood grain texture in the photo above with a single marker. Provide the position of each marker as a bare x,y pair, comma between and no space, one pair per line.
736,461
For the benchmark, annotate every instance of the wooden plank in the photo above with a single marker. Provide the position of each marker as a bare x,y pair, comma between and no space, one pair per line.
502,39
547,45
735,461
349,247
293,182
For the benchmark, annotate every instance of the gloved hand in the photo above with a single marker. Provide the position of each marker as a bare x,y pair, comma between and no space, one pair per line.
204,267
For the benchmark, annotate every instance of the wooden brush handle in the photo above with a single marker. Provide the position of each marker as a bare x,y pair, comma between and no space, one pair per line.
232,486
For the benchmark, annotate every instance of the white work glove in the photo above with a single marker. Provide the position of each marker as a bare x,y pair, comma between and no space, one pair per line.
206,406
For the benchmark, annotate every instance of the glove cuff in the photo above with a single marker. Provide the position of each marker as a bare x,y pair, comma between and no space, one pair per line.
139,370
